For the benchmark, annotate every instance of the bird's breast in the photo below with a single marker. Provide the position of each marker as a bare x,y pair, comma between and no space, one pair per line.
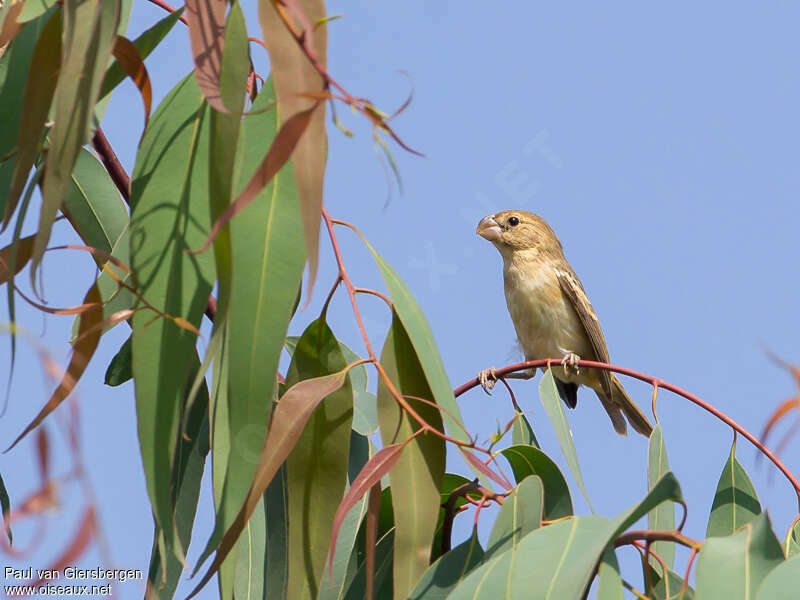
546,324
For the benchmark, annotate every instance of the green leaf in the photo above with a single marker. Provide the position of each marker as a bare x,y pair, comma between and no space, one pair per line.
169,195
669,588
119,370
384,558
187,474
609,585
733,567
5,505
782,582
662,517
735,501
93,205
791,545
276,510
251,552
33,9
40,85
90,28
145,44
520,514
420,469
317,466
267,264
557,561
527,460
555,410
420,335
443,575
15,64
522,432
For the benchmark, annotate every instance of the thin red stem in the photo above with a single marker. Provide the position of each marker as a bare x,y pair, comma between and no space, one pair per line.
168,8
652,381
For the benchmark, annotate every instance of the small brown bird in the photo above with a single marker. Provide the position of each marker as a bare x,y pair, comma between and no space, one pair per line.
552,314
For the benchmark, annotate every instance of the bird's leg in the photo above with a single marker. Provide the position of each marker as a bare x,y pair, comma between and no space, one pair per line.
571,360
487,378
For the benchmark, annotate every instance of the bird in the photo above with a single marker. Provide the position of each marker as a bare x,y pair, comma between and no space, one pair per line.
552,315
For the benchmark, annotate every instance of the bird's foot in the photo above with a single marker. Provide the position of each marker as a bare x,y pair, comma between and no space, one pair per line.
487,378
570,361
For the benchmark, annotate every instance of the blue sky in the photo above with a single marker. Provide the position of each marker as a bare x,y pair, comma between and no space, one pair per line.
660,143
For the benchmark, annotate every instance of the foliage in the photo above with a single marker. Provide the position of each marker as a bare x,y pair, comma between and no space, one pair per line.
226,194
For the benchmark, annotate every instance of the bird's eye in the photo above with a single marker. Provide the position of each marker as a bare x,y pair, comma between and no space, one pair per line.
513,221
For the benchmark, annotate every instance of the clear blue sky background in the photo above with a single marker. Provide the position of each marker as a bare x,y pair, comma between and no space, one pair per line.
659,142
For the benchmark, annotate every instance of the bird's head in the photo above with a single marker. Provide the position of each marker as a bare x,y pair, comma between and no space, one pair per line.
518,230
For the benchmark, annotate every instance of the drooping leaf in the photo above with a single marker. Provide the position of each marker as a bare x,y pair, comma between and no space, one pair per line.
5,505
144,44
82,352
276,512
127,56
482,468
557,561
317,466
555,410
520,514
169,198
522,432
733,567
663,517
376,467
93,205
420,468
408,311
735,501
34,8
609,586
792,543
384,558
446,573
39,89
288,420
669,588
782,582
119,369
450,483
527,460
335,581
187,473
249,583
294,75
90,28
14,257
9,25
206,21
15,70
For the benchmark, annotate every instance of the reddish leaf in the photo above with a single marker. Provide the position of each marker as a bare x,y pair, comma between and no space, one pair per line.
82,352
288,420
128,57
114,319
24,249
80,542
778,414
280,151
10,28
377,466
294,74
483,468
43,451
206,21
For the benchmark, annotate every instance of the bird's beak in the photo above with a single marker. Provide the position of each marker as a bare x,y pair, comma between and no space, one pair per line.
488,229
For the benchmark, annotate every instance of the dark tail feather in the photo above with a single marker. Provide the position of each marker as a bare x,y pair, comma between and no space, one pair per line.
568,392
635,416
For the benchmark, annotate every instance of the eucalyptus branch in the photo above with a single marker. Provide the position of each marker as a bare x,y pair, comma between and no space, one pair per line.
657,383
450,511
656,535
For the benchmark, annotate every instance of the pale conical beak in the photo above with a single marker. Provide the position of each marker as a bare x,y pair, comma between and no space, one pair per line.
489,229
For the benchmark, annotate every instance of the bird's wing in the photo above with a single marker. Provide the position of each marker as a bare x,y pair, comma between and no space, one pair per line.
572,288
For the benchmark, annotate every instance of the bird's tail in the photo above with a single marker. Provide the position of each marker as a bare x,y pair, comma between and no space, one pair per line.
635,416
